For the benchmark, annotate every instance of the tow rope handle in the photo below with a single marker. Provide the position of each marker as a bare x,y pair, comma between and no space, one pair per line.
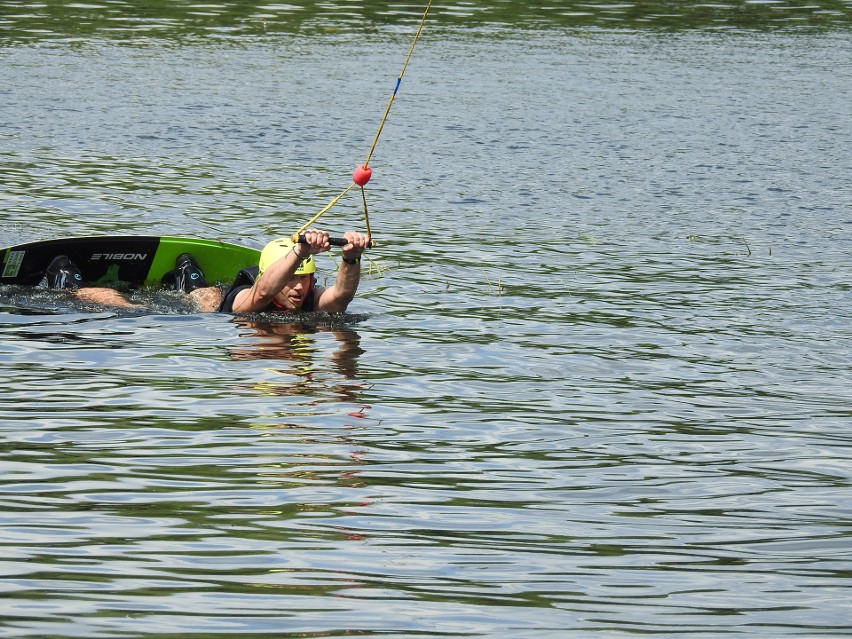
334,241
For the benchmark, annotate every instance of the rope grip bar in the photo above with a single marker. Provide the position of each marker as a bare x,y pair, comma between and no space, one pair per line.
334,241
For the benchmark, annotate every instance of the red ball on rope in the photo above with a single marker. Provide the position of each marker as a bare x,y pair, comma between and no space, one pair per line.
362,175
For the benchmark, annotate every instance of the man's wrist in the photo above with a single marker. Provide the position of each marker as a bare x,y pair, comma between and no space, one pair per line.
352,260
298,253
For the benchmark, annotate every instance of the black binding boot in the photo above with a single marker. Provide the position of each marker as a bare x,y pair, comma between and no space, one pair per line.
62,273
188,275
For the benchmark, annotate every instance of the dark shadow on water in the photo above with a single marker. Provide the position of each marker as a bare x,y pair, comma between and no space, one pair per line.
123,20
308,321
298,342
29,300
20,310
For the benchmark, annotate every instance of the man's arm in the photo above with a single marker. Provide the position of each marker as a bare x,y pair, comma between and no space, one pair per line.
336,299
275,278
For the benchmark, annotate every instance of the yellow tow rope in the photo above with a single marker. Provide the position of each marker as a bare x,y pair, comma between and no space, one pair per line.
363,173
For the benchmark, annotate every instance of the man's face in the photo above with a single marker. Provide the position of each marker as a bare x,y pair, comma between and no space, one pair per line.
293,295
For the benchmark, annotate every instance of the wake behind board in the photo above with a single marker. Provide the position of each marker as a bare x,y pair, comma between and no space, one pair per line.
124,261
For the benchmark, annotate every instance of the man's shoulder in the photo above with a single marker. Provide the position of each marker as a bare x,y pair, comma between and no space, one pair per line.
230,298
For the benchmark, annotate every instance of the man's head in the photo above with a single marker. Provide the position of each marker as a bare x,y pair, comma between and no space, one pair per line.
294,293
277,249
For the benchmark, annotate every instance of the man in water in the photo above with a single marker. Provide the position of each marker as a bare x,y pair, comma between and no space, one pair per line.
284,281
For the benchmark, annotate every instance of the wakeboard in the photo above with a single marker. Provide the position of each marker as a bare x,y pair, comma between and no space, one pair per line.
125,261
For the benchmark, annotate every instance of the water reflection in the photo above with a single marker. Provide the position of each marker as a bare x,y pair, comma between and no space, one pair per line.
295,347
628,427
125,20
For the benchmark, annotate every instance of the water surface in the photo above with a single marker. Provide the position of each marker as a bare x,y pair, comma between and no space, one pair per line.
598,380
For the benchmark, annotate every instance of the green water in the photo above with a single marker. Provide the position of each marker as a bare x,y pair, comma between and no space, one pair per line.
161,19
598,385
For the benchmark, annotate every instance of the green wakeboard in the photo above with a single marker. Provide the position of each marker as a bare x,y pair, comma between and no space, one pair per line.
125,261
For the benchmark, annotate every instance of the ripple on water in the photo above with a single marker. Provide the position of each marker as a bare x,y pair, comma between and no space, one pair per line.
600,384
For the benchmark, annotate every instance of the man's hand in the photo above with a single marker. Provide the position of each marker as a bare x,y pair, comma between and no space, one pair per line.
315,242
358,243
